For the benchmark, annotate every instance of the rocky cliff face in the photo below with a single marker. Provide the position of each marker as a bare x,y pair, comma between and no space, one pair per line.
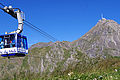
44,59
102,39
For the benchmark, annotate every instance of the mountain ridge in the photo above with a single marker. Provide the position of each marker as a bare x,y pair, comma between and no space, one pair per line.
100,36
108,26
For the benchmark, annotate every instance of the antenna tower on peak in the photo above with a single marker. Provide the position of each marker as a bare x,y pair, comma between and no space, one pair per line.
102,17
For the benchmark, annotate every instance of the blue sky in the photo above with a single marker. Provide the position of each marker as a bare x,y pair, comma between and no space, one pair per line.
66,20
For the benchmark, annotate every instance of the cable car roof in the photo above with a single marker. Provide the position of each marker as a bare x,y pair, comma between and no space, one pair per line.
13,34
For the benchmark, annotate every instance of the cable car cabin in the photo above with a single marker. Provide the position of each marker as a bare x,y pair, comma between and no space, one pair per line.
13,45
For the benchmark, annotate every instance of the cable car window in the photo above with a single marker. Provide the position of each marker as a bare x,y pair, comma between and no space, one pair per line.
18,41
12,41
6,41
25,43
1,42
22,42
9,41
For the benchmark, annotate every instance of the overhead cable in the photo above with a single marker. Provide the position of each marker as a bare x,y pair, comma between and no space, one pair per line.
36,30
43,33
2,4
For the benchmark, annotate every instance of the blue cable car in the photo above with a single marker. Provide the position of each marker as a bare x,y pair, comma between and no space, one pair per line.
13,45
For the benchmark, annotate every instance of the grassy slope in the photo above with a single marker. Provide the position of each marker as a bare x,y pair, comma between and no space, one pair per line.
85,69
107,69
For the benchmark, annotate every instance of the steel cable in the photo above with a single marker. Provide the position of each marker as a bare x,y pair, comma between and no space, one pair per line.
41,31
2,4
38,31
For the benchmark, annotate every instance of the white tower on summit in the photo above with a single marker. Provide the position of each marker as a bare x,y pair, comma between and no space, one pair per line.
102,17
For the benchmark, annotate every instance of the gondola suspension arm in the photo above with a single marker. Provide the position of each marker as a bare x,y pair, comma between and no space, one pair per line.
17,15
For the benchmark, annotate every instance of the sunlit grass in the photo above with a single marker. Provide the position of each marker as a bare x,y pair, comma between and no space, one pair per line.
106,69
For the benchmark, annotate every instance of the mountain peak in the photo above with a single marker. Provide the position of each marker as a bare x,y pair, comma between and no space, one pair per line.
103,38
103,20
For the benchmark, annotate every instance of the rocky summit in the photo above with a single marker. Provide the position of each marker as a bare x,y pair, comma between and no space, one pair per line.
103,39
48,59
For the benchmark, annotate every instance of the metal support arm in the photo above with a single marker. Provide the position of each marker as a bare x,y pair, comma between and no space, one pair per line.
17,15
